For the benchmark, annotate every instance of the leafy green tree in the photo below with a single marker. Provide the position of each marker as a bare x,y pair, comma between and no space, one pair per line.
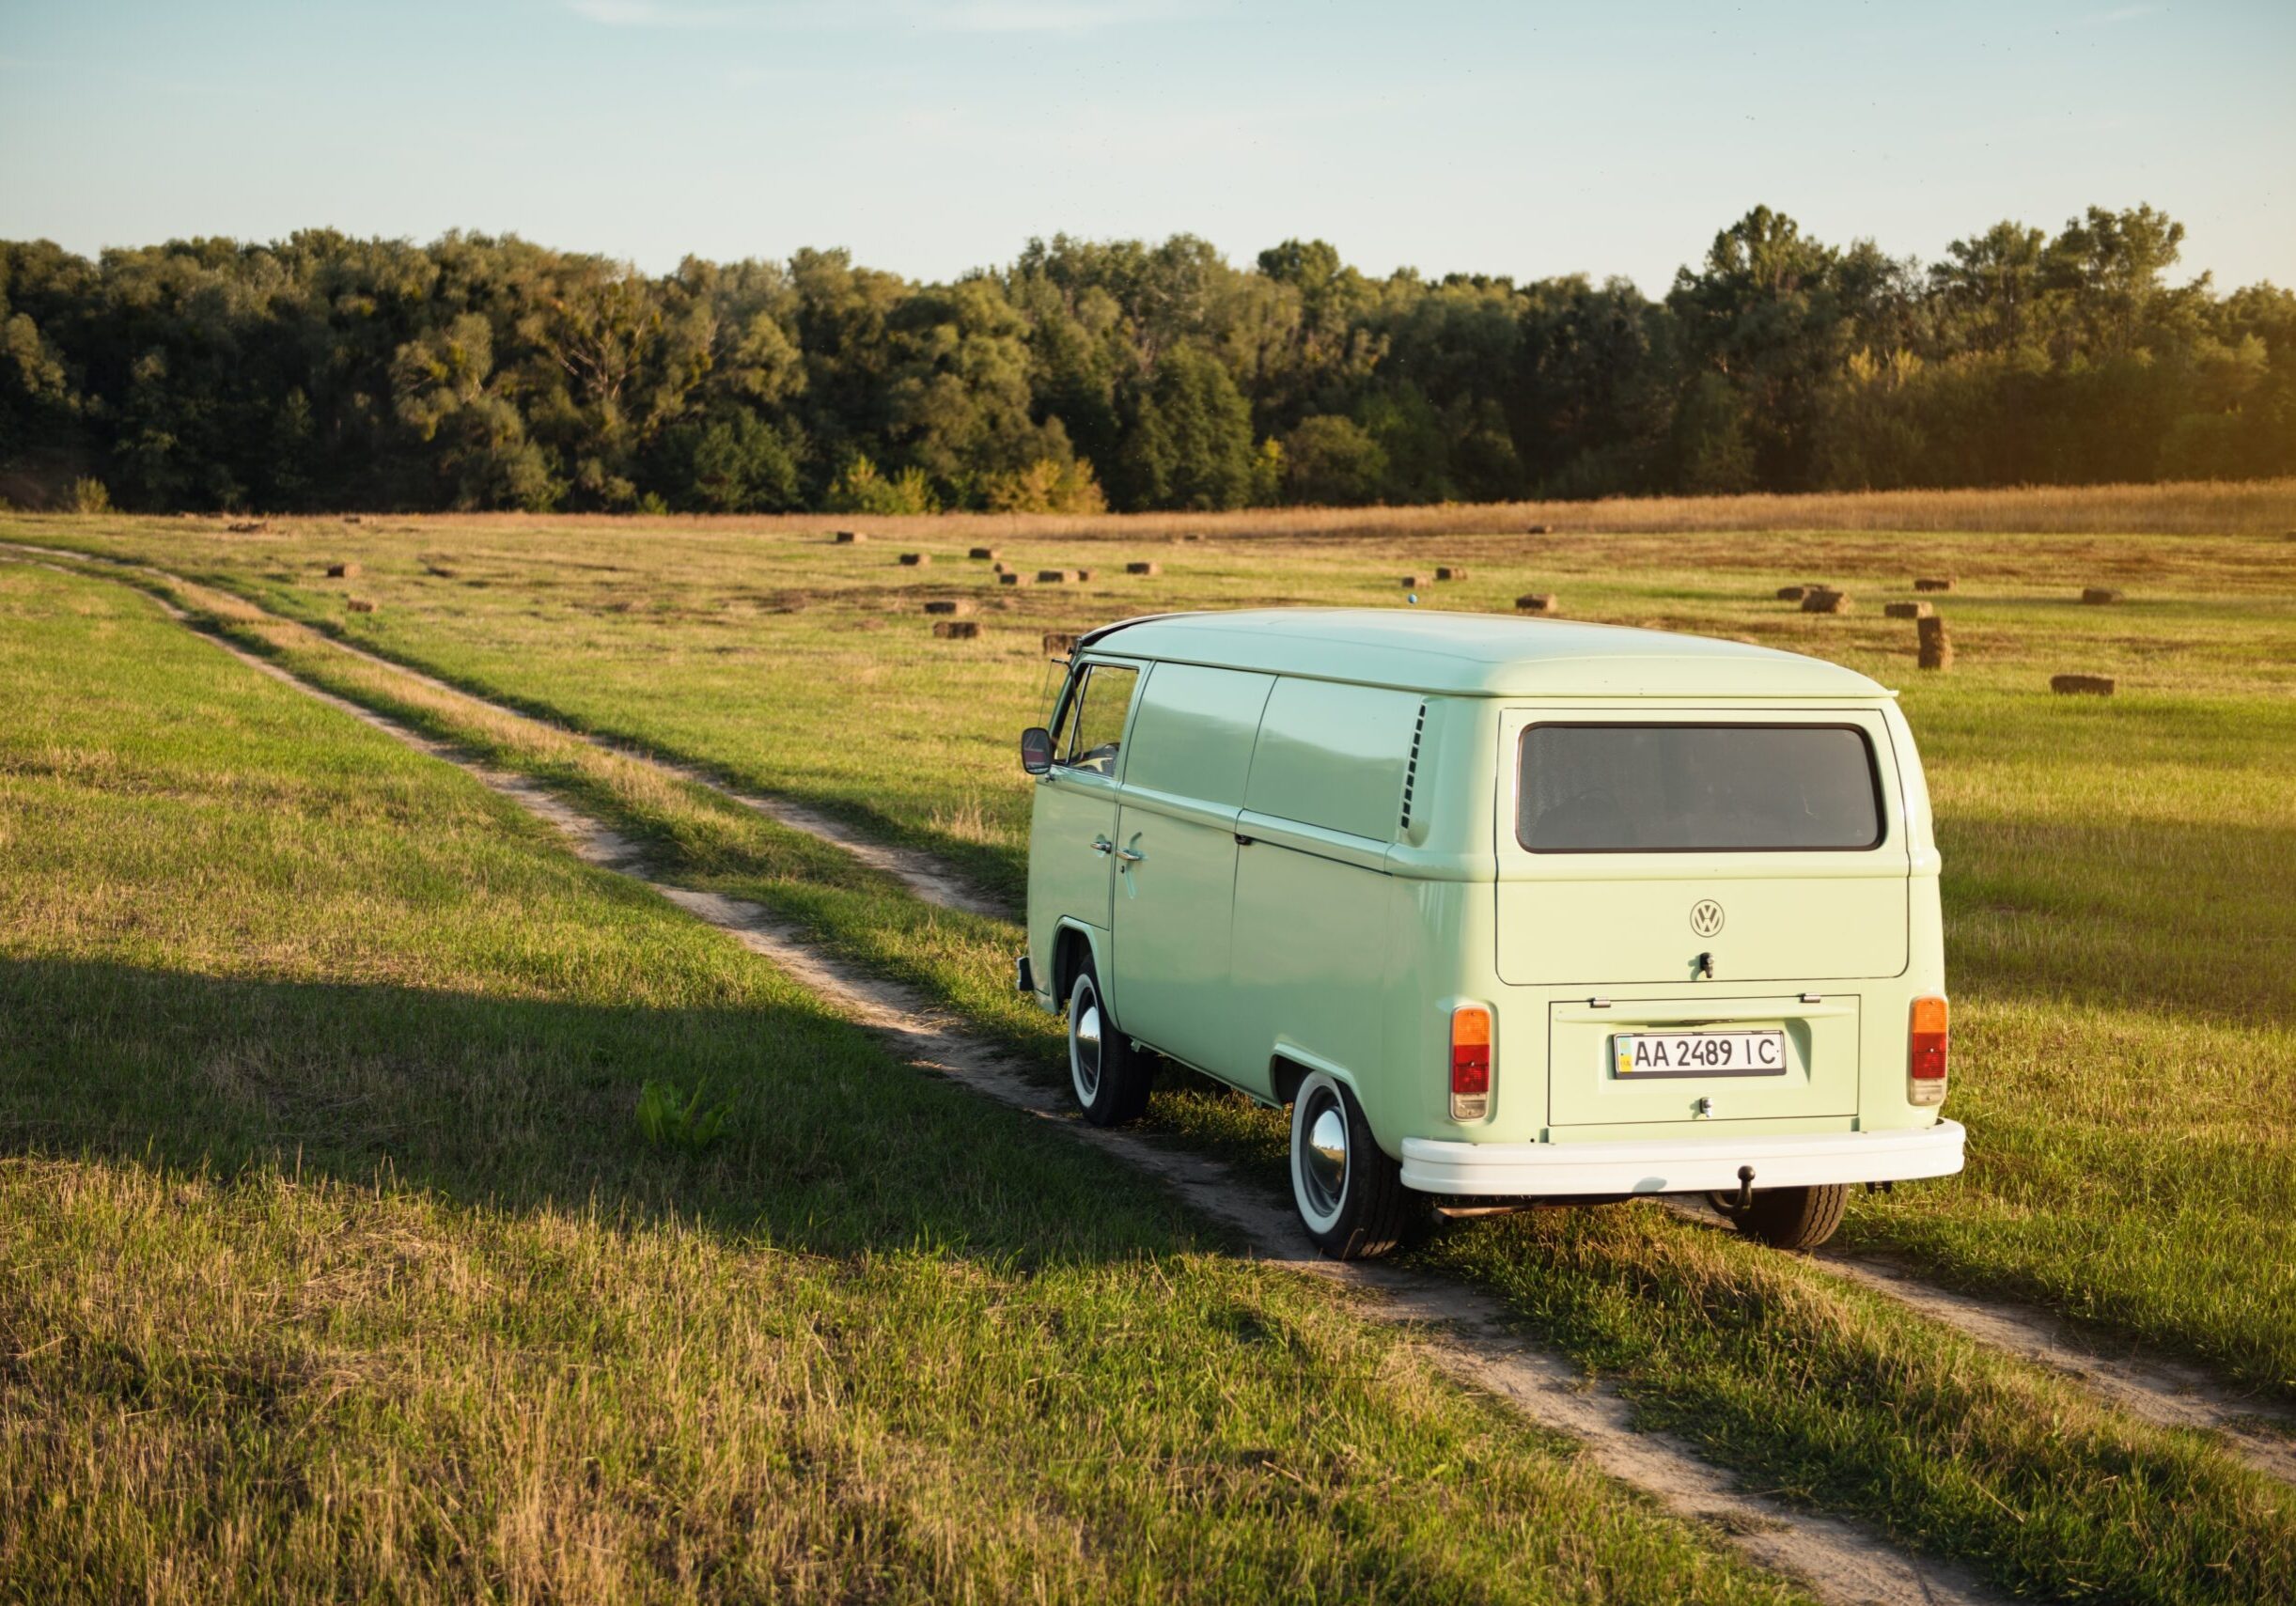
1188,441
1333,462
959,401
444,395
1712,452
322,370
1764,314
2110,266
1049,485
1592,399
1989,290
1410,432
859,488
732,461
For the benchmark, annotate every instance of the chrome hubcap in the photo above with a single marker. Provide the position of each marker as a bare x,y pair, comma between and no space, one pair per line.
1084,1044
1324,1165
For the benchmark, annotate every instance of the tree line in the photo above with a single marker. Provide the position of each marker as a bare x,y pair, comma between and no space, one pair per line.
329,372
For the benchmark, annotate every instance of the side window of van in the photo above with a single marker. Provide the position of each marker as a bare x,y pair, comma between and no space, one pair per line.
1093,723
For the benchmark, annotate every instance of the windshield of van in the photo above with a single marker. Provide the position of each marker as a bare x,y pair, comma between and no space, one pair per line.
1679,788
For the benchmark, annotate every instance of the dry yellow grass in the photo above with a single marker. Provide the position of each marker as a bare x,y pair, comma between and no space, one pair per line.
2262,506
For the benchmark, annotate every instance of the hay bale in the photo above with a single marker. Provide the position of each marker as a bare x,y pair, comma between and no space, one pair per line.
1054,576
984,552
849,537
2082,685
342,572
1908,610
1792,593
1936,646
1538,530
1935,583
1059,644
956,630
1414,583
2099,594
1012,577
1143,568
1539,603
915,559
1450,571
351,519
359,604
1824,600
953,609
1084,576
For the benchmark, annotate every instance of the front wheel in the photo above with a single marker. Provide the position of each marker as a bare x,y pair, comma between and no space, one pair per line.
1109,1077
1794,1217
1350,1195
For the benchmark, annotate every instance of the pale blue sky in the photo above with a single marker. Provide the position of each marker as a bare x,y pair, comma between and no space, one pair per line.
934,136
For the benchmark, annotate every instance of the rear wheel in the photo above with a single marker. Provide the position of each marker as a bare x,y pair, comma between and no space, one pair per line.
1794,1217
1350,1196
1109,1077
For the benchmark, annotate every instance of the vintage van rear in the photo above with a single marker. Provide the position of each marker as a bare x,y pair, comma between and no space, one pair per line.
1540,910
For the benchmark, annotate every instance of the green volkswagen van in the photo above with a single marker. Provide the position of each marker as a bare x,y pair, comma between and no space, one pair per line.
1505,910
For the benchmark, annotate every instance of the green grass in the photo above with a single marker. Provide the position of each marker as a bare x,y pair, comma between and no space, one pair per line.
336,1266
1836,1398
2120,934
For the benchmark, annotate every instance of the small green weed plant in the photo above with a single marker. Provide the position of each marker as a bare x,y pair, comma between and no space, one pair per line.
686,1128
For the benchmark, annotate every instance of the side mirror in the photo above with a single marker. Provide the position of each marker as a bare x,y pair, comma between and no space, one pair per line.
1036,750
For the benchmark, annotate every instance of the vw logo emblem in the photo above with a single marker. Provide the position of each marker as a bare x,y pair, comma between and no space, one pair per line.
1706,917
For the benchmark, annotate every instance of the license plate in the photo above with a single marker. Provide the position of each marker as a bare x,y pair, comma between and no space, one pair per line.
1644,1056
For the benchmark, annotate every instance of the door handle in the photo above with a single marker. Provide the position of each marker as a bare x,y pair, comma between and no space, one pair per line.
1103,846
1129,856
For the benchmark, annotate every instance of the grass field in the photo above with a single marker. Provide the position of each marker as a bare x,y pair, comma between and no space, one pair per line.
335,1266
2116,876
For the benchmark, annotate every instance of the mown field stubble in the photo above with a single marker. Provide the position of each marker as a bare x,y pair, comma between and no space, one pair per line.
2117,882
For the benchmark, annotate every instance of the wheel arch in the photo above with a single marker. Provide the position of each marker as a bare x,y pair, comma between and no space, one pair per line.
1288,1065
1073,943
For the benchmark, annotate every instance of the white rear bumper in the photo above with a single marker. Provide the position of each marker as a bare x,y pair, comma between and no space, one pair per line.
1679,1165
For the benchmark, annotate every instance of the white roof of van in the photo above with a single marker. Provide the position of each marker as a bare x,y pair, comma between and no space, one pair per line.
1423,649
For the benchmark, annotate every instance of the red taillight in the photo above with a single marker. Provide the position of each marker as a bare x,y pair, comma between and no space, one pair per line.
1926,1046
1470,1062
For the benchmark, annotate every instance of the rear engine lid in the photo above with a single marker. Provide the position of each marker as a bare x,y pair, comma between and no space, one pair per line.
1696,846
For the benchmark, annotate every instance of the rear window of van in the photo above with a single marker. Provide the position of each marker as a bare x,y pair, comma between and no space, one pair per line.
1683,788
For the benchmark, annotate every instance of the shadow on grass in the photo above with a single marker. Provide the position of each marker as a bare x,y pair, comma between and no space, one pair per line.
832,1146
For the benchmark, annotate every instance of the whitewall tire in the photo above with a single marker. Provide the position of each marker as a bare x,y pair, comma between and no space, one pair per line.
1109,1077
1350,1195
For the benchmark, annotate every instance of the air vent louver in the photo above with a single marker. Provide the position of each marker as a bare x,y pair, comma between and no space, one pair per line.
1411,770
